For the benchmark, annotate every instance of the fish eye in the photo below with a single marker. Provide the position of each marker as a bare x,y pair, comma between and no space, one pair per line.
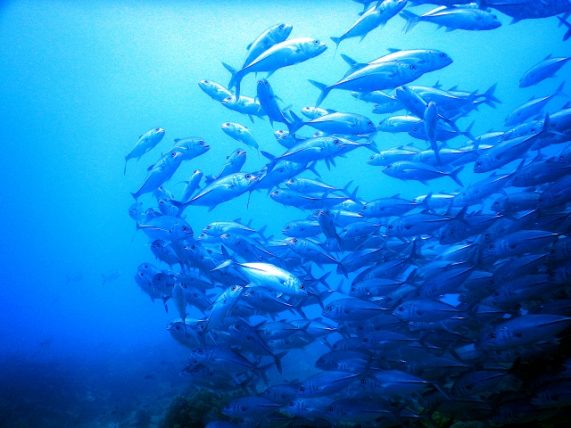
336,141
157,129
173,154
302,287
247,175
316,42
281,26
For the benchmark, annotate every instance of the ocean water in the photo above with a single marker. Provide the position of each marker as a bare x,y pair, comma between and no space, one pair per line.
80,343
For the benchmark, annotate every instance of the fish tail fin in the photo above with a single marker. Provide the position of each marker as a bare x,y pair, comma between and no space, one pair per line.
413,255
454,175
268,155
232,71
180,205
322,279
341,269
278,360
353,195
295,124
411,277
468,132
311,167
436,150
271,158
234,80
350,61
490,98
559,90
411,20
563,21
345,189
261,371
371,144
426,202
337,41
323,88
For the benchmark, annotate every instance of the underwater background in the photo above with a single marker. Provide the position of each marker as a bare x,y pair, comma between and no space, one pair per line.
80,344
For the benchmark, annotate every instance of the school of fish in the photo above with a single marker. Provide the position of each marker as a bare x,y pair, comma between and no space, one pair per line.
438,303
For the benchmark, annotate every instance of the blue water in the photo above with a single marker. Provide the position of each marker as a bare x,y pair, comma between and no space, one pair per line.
79,81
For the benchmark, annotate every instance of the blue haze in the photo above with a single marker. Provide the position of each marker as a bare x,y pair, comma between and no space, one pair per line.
79,81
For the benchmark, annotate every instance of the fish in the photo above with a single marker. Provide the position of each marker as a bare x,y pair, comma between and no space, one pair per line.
214,90
406,170
268,101
372,77
146,142
222,190
160,172
271,36
454,18
542,70
192,185
340,123
283,54
240,133
234,163
532,108
425,60
269,276
245,105
373,17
